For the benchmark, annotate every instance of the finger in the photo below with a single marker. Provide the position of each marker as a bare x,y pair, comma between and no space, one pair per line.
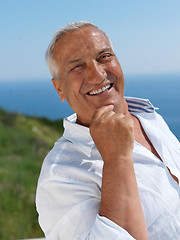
100,111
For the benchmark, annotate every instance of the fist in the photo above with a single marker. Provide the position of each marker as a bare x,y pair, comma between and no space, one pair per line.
112,133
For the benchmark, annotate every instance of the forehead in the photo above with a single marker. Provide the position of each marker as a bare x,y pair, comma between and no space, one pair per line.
80,43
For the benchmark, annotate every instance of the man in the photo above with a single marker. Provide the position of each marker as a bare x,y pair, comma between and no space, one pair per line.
115,172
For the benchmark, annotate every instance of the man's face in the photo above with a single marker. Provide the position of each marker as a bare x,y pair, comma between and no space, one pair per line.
91,76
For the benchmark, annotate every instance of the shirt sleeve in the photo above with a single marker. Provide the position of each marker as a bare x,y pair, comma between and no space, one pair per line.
68,210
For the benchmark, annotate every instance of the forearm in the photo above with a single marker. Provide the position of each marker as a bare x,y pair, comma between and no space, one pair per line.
120,200
113,134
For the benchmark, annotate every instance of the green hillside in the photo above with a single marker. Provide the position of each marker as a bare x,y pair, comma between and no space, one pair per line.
24,142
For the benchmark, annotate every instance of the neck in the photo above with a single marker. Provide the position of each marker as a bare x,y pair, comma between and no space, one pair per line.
123,109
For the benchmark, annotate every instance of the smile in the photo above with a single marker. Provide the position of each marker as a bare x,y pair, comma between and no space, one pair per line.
100,90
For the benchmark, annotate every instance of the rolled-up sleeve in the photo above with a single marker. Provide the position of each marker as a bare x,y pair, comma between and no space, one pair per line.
68,210
105,229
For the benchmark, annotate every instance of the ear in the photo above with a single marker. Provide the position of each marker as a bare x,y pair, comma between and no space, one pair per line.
57,86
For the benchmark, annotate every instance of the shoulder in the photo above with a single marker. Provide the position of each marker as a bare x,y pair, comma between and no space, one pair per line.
54,158
67,160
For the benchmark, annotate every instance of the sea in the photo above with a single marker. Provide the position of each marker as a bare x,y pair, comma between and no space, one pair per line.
37,97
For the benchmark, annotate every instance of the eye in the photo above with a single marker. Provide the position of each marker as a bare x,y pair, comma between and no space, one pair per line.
104,57
76,67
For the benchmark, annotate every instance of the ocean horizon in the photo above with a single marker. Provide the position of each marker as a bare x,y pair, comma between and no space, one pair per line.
39,98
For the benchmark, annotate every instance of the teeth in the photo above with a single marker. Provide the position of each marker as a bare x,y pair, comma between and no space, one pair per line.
103,89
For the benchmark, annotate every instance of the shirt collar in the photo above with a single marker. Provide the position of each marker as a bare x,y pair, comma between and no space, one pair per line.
80,136
140,105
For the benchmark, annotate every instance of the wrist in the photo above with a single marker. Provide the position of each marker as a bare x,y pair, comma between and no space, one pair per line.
116,159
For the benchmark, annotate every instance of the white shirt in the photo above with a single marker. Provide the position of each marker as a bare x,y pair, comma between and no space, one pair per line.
69,186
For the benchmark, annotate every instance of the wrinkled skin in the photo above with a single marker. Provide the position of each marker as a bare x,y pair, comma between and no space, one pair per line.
87,68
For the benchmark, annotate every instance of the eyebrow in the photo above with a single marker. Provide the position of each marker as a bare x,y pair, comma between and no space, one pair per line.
74,61
105,50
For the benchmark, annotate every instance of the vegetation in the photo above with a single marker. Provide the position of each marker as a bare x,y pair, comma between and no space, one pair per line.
24,142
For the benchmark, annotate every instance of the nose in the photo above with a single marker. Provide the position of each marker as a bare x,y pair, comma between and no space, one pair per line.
96,72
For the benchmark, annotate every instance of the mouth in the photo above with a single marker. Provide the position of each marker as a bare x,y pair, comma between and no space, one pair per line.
100,90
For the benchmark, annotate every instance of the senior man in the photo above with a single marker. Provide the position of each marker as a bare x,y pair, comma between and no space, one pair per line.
114,174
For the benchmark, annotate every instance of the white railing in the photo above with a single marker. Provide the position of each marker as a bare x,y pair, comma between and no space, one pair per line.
34,239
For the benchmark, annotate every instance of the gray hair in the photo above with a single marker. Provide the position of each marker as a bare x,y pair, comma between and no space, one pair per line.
51,62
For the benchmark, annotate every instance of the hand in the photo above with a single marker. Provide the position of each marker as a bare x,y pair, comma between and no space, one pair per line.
112,133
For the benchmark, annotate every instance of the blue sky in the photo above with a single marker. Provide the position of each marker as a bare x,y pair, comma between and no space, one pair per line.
145,34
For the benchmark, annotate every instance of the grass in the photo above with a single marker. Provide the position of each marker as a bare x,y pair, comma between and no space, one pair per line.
24,142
